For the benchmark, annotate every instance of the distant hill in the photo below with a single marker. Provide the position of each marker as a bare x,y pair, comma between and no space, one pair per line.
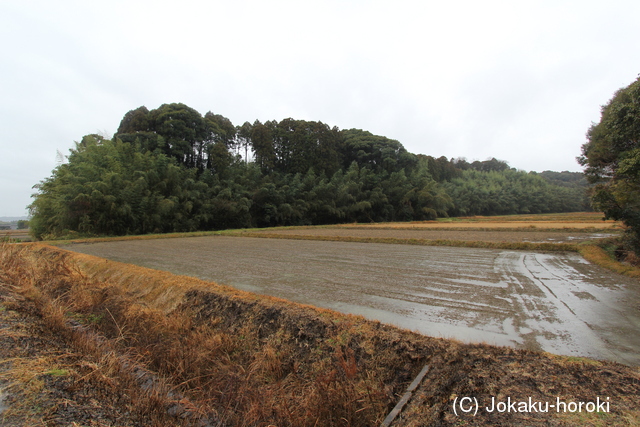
12,218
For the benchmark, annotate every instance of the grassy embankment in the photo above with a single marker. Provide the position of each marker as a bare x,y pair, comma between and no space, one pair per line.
186,350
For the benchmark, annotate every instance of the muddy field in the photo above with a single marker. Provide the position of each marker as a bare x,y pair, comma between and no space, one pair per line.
433,232
553,302
22,235
492,222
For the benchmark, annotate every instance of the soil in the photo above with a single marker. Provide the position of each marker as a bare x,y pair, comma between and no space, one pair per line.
488,375
43,382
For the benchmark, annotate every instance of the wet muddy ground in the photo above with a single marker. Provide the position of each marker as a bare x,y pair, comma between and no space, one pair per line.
525,235
540,301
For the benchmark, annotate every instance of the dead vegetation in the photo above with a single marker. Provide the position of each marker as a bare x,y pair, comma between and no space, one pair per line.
15,236
45,381
188,352
597,255
483,244
574,221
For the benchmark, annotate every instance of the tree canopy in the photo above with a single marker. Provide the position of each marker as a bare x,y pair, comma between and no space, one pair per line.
172,169
611,157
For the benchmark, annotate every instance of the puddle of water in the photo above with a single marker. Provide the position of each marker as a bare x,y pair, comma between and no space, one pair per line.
579,238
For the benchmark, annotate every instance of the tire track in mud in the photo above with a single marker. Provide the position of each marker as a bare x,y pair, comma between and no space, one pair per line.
562,291
545,321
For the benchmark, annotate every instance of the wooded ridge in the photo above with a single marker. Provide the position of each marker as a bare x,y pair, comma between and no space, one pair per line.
171,169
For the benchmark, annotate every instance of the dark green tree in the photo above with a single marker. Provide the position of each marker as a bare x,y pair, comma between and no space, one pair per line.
243,135
611,157
262,144
137,127
135,121
184,131
174,129
377,153
112,188
441,169
489,165
221,129
170,169
299,145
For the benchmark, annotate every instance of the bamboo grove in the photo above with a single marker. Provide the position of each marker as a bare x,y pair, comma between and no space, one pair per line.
172,169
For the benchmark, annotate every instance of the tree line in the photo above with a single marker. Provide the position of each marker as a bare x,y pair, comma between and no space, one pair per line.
171,169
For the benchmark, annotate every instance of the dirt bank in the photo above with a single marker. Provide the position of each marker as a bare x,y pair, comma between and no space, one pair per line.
45,381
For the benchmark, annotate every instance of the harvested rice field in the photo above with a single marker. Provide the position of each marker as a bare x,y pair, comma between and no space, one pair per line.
564,221
435,233
555,302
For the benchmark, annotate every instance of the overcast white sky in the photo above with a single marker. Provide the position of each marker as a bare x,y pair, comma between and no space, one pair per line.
516,80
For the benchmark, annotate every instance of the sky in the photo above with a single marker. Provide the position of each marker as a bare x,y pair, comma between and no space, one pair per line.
521,81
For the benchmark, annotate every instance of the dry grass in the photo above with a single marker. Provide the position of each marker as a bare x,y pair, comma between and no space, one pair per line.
530,246
599,256
513,225
57,290
68,240
15,235
546,222
570,217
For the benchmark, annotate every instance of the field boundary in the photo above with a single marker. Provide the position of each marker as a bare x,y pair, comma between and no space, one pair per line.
553,247
599,256
525,229
583,223
263,234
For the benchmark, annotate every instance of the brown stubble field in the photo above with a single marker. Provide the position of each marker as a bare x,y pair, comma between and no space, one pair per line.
512,228
496,234
549,232
20,235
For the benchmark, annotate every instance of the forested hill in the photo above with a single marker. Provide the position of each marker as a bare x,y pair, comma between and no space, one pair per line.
172,169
